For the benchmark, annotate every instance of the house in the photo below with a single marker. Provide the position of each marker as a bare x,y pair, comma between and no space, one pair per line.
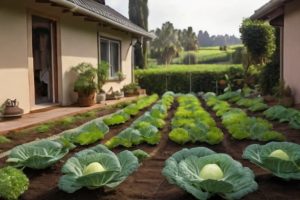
40,40
285,14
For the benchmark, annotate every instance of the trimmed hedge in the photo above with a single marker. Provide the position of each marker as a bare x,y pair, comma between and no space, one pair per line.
184,82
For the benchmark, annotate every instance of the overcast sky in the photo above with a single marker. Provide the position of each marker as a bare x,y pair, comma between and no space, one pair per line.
215,16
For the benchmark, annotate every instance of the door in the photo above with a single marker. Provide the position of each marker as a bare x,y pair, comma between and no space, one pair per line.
44,60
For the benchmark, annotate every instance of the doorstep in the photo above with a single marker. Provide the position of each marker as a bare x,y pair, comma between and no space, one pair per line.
35,118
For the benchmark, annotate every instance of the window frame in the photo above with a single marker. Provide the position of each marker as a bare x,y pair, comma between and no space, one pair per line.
115,41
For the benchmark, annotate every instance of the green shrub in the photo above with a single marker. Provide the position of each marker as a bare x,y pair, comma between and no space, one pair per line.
13,183
184,81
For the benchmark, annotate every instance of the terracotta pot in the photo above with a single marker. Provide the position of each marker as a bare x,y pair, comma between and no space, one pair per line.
86,100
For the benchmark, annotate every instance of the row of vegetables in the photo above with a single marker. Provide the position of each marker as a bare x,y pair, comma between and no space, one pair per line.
146,128
240,125
192,123
91,168
256,104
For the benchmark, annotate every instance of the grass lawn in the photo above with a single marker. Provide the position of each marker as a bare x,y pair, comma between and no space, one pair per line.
208,55
188,68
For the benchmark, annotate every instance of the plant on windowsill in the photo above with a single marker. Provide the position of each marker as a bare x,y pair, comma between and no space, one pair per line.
121,76
85,84
103,75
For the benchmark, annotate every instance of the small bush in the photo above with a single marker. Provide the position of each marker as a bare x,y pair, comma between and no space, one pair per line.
190,59
13,183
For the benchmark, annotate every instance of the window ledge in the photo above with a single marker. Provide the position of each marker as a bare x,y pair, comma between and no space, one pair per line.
114,80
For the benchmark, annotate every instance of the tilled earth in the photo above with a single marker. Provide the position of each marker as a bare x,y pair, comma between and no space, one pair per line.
148,182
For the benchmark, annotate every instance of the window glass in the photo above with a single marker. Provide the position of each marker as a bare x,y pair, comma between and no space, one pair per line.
110,52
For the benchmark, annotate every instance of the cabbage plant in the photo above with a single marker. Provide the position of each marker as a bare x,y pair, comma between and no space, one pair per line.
204,173
97,167
37,155
280,158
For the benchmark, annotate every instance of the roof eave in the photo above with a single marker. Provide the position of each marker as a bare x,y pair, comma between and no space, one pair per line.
265,10
75,8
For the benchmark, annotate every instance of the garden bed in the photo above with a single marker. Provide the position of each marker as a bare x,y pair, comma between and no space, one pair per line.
148,182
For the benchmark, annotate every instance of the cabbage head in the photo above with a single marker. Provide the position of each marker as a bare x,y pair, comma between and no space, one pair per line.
280,158
37,155
97,167
204,173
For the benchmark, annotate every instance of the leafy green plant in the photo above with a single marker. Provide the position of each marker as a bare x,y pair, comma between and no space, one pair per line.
280,158
131,109
97,167
131,88
85,83
4,139
247,102
255,129
258,107
43,128
179,136
204,173
13,183
141,155
37,155
102,74
87,133
117,118
127,138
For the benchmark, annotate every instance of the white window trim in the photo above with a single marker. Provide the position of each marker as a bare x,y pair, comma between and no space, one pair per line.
109,51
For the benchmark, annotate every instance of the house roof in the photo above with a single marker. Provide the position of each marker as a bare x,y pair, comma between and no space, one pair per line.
104,13
271,6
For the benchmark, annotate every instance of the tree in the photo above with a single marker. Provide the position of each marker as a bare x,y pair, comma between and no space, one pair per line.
259,39
188,39
166,45
138,14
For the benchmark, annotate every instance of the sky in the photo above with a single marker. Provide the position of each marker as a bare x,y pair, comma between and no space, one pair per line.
215,16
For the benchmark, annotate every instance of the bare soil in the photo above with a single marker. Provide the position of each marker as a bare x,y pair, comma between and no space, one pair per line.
148,182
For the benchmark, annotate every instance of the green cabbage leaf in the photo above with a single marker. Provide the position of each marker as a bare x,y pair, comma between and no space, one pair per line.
116,169
286,168
37,155
185,168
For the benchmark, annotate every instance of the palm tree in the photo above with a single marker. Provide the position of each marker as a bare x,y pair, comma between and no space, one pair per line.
167,44
138,14
188,39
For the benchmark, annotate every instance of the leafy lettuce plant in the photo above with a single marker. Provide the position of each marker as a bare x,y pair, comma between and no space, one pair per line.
234,115
204,173
127,138
247,102
97,167
13,183
131,109
292,116
87,133
254,129
229,95
146,101
117,118
37,155
280,158
258,107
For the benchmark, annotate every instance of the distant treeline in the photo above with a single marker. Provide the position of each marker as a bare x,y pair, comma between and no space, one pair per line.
205,40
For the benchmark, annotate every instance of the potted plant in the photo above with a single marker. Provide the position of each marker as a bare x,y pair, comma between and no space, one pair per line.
131,89
102,73
121,76
85,84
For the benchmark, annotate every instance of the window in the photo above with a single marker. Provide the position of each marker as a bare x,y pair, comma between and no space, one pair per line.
110,52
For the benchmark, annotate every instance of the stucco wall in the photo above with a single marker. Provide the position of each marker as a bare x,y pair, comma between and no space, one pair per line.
14,81
292,47
77,42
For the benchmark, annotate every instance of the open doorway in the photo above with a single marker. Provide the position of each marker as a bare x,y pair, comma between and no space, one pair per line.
44,60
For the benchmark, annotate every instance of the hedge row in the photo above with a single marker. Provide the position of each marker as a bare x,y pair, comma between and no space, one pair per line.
185,82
